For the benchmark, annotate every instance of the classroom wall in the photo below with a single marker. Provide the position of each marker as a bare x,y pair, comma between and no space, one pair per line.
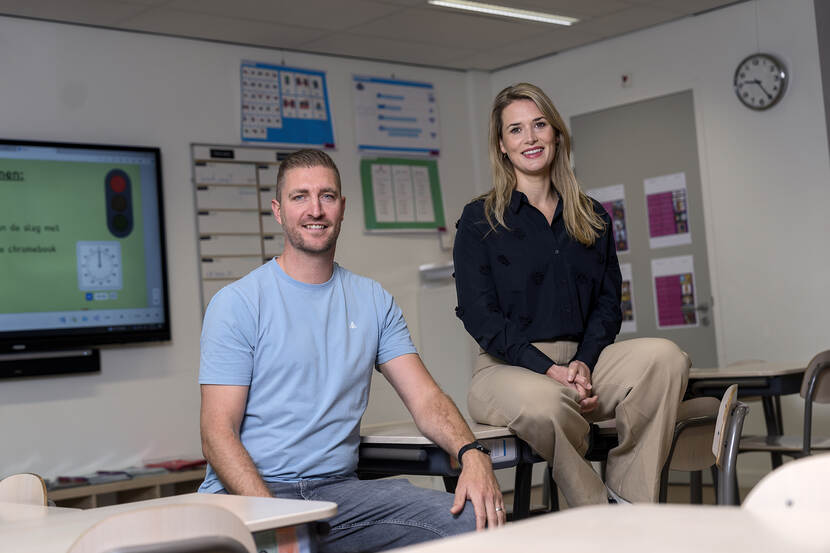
765,175
765,178
71,83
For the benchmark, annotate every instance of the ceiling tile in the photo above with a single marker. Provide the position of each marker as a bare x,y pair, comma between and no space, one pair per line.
142,2
385,49
404,2
88,12
318,14
631,19
488,61
528,49
690,6
448,28
188,24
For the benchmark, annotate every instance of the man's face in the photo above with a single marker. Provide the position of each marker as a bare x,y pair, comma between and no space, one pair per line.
310,209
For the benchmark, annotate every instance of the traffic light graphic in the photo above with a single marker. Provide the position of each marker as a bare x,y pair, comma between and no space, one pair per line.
119,203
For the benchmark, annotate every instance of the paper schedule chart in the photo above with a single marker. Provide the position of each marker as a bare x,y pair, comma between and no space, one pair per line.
401,194
396,115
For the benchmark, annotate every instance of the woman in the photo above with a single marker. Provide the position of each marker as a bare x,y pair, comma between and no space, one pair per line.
538,285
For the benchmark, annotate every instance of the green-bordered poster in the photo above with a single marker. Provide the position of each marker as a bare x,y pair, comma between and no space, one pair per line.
401,194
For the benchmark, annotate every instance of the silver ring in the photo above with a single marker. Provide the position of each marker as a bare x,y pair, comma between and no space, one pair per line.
499,509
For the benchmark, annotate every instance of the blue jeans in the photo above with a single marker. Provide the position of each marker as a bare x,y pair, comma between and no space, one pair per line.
374,515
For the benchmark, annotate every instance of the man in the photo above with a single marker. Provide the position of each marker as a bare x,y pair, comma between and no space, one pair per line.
286,359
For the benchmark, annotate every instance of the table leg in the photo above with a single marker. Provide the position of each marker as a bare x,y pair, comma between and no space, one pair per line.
772,416
696,487
521,491
553,490
779,414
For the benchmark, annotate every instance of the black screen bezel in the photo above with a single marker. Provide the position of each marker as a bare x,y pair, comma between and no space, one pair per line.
81,338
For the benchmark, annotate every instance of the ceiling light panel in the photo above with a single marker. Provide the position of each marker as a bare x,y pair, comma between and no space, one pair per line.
504,11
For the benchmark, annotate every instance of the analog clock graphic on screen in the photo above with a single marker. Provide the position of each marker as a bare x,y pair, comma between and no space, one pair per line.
99,265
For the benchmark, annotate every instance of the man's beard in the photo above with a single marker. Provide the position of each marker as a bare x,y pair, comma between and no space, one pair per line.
295,238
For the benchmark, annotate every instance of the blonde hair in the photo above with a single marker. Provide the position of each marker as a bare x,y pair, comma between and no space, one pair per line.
581,221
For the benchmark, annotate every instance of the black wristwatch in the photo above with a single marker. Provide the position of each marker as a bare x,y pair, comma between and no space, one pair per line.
472,445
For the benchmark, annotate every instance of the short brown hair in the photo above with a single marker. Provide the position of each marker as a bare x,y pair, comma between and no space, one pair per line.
307,158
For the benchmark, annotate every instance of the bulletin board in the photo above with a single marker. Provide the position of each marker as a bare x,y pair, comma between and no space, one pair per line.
237,231
640,161
401,194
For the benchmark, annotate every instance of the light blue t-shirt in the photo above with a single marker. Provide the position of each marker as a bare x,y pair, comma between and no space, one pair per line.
306,351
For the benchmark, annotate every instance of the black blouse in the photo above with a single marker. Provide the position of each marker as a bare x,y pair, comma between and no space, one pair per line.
534,282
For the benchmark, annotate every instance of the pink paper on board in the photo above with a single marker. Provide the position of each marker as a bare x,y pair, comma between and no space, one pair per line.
673,292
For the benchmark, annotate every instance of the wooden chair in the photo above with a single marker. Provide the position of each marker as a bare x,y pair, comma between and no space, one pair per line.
25,488
727,435
183,528
815,387
801,485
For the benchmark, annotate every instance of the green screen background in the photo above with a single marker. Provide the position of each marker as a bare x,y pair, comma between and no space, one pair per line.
72,196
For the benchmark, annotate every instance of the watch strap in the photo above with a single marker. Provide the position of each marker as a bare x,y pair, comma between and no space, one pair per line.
472,445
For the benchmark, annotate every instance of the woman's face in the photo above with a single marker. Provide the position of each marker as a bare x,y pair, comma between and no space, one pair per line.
527,138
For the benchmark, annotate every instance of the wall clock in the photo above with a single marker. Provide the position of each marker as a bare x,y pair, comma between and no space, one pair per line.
760,81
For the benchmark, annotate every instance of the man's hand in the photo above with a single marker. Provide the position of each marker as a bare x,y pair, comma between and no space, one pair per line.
478,484
438,418
577,376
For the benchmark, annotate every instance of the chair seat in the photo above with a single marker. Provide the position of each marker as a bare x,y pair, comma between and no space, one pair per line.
781,444
692,450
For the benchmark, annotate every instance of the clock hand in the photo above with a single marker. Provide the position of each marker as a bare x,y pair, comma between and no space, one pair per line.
762,88
760,85
99,258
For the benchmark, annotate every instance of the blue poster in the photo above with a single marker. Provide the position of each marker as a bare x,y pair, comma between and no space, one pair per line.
285,105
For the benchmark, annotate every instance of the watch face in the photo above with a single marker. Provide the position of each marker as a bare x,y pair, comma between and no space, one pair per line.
760,81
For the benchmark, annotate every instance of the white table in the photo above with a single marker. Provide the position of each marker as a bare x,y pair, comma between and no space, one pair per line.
648,528
751,369
400,448
54,530
15,513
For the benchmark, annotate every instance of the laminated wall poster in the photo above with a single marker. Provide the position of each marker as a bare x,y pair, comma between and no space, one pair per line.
612,199
629,321
393,115
668,210
285,105
674,291
401,194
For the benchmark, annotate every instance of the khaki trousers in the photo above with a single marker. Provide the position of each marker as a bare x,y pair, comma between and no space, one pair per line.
639,382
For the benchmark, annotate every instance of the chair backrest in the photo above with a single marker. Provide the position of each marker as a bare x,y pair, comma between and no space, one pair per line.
693,434
727,403
25,488
182,528
802,484
818,369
